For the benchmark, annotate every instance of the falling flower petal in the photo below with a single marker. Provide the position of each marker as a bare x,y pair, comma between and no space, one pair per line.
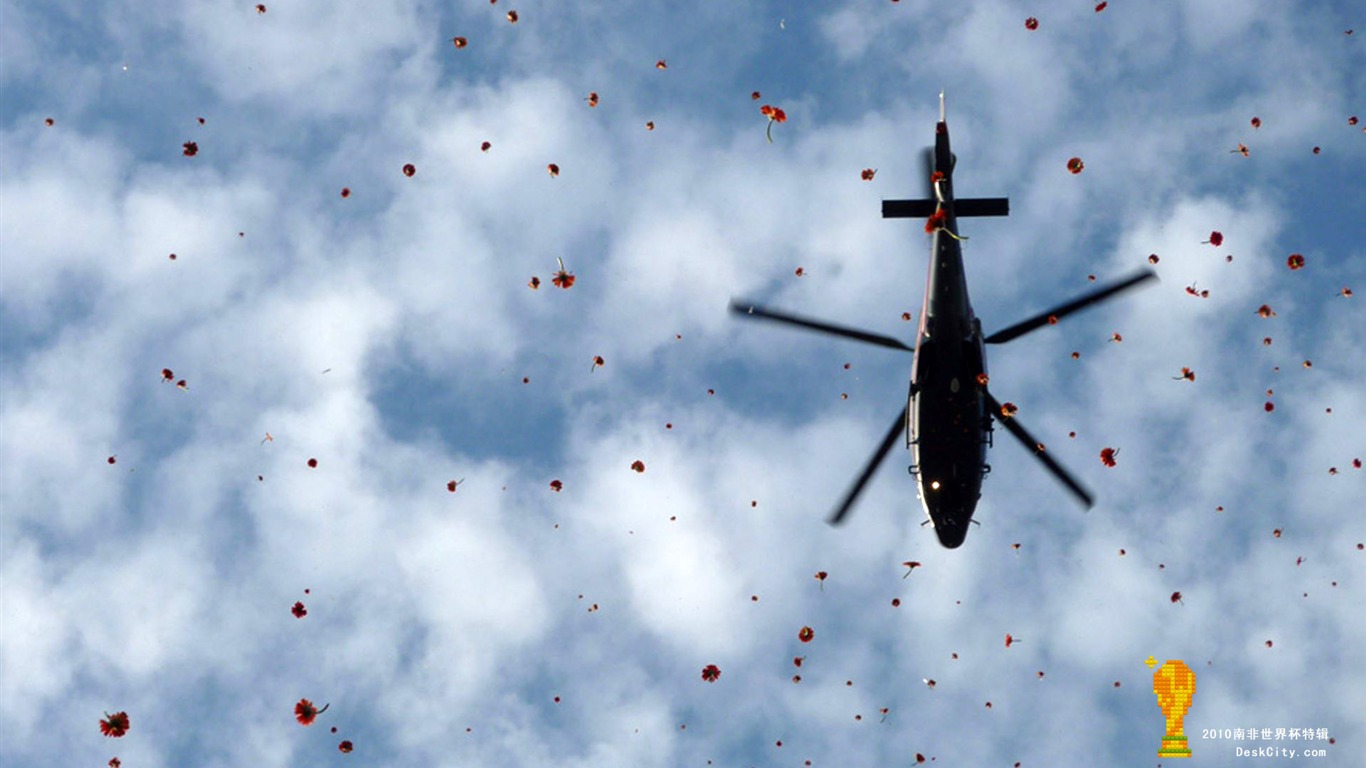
306,713
114,726
563,279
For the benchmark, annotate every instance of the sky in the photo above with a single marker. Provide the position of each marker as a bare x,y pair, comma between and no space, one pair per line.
322,306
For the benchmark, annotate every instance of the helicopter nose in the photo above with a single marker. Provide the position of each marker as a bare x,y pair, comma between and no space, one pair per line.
951,536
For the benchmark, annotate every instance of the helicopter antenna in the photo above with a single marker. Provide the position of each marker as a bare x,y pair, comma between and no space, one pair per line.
941,106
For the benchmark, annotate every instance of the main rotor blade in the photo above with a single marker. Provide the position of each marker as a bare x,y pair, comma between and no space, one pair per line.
869,469
1057,313
1013,426
753,310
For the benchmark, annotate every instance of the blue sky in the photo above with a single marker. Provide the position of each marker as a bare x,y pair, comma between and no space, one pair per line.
387,335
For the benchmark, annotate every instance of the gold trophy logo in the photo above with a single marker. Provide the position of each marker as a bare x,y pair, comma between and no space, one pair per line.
1174,684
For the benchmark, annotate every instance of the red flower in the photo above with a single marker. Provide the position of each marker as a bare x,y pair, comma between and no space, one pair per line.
661,65
936,177
409,169
346,192
1176,598
820,576
460,42
299,610
111,459
1011,640
166,374
1107,456
1075,165
114,762
563,279
115,725
1295,261
452,485
1100,7
1256,122
650,125
556,486
754,96
1116,337
593,99
1031,23
512,17
345,747
306,713
711,672
638,465
1186,374
911,565
485,146
260,8
534,283
1216,239
1265,311
1269,407
1009,409
598,362
553,169
189,149
312,463
1242,150
1153,258
806,634
799,272
181,384
774,115
1052,319
868,174
935,221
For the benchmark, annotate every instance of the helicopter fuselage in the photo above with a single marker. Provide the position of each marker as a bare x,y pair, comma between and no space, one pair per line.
948,425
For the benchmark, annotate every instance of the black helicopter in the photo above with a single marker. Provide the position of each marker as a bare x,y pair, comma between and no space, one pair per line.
950,412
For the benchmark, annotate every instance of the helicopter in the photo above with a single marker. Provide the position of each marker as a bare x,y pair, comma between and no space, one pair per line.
950,413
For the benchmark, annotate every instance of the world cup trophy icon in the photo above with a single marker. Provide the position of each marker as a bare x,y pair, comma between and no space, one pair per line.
1174,684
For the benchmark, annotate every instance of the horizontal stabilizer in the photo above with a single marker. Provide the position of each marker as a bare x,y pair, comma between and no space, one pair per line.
968,206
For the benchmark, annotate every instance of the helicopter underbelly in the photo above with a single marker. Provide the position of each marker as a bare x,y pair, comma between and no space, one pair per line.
949,448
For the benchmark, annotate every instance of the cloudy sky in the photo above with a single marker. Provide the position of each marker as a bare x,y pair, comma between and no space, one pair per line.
323,306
